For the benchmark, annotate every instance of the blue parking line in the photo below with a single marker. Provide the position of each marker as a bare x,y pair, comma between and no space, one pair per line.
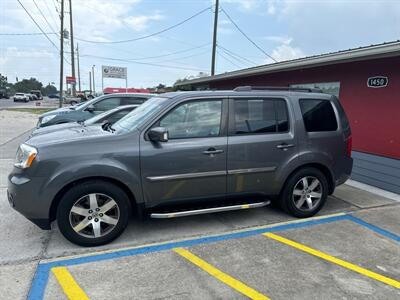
42,272
374,228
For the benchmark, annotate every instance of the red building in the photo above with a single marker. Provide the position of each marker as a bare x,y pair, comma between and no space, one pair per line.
367,82
110,90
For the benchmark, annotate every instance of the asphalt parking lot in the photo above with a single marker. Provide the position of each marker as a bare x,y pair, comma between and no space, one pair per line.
351,250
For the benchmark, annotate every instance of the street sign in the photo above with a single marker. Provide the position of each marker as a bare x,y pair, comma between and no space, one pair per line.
71,80
114,72
377,82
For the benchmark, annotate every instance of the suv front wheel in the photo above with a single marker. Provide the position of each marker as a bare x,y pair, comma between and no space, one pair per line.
93,213
305,193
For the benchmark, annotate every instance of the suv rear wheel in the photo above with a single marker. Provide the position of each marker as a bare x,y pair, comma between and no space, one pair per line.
305,193
93,213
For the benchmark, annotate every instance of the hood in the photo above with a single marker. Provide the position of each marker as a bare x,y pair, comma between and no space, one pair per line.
68,135
59,111
57,127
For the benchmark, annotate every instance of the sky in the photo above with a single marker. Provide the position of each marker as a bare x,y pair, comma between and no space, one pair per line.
283,30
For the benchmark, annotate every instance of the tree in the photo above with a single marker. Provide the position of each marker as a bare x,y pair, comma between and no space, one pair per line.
26,85
3,81
49,89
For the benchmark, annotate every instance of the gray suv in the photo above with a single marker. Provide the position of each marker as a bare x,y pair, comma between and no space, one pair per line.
185,153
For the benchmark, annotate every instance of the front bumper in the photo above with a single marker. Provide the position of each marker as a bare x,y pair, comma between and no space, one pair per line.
24,196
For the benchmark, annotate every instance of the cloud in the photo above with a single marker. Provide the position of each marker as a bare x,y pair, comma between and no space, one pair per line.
278,39
139,23
244,5
287,52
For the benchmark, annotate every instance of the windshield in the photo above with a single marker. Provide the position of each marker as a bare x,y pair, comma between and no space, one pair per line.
98,117
139,115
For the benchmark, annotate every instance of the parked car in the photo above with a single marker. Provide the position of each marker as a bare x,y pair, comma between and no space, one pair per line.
21,97
32,97
38,94
54,96
106,118
72,100
89,109
201,150
5,93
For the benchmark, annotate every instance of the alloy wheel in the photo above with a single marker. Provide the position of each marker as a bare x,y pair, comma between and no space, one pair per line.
307,193
94,215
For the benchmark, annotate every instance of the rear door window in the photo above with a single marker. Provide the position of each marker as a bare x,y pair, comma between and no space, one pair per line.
318,115
257,116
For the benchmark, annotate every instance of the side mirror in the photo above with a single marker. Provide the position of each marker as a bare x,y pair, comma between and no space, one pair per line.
90,108
158,134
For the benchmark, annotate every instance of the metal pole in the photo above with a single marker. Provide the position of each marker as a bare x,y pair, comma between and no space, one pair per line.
94,86
79,71
61,53
102,80
214,45
73,85
90,82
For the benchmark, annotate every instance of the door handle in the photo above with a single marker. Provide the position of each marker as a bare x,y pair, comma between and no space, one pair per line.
284,146
212,151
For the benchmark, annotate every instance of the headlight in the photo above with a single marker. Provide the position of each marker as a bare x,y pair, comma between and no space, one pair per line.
25,156
48,118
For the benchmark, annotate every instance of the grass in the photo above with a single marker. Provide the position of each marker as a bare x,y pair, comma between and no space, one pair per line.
37,111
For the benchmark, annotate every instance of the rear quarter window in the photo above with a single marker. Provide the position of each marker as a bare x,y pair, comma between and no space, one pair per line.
318,115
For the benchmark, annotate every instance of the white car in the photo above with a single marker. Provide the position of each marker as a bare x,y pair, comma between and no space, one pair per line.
21,97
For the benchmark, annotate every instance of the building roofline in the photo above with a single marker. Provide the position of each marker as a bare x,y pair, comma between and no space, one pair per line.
388,49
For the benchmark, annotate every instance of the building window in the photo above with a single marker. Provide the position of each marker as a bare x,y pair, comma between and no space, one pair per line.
332,88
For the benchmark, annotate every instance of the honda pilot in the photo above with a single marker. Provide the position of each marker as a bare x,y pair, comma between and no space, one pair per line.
185,153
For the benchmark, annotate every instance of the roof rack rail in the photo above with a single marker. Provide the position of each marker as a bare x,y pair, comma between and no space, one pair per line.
249,88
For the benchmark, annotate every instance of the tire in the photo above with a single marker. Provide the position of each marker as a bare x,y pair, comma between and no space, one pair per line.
291,199
73,102
78,198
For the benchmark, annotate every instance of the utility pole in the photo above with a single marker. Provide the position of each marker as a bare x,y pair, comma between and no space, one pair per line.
214,45
90,82
72,49
79,71
61,53
94,86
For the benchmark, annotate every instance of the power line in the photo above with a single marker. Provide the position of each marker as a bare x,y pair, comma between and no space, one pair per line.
238,56
30,33
171,53
142,63
50,12
55,6
44,17
246,36
228,60
184,57
149,35
40,28
234,57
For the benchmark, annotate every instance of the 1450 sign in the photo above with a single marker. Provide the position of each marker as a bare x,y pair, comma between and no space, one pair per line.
377,81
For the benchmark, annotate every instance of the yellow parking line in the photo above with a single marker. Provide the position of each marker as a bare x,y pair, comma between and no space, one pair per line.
225,278
70,287
335,260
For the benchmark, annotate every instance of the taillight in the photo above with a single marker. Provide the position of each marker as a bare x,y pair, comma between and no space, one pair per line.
349,145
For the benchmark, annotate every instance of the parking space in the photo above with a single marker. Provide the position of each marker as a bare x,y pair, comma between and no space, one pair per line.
335,256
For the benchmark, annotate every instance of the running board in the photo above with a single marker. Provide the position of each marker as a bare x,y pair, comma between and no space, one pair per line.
208,210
